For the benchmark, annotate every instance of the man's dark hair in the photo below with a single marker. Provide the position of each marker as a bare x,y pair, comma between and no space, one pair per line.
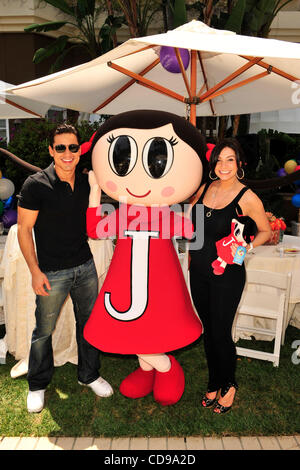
63,129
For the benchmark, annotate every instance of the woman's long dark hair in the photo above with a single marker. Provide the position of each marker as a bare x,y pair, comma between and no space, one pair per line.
232,144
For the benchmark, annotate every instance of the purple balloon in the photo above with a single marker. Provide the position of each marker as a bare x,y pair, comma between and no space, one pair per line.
9,218
169,60
281,172
296,200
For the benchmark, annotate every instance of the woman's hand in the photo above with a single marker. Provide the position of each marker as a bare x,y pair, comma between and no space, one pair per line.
95,190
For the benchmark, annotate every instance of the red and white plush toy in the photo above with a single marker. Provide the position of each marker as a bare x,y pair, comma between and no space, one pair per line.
224,246
147,161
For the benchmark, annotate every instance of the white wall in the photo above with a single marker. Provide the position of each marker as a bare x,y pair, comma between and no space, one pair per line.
285,120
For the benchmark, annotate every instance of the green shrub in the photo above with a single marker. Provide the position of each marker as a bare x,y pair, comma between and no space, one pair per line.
30,141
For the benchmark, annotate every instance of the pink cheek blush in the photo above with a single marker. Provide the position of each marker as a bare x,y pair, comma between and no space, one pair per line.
168,191
111,186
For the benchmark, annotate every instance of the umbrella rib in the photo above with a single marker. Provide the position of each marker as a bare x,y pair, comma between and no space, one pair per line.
273,69
205,84
22,108
228,79
125,87
236,85
184,76
136,52
145,82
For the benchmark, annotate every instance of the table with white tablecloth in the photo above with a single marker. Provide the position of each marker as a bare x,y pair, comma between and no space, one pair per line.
19,302
271,258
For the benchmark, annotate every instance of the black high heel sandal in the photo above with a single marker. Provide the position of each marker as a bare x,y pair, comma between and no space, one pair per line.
221,409
209,402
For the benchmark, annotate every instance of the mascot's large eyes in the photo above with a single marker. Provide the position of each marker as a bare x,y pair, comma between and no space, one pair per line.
122,154
158,156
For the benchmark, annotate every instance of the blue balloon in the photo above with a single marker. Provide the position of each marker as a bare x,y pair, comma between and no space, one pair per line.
296,200
297,183
7,202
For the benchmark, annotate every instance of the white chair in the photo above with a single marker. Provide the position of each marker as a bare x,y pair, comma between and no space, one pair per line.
266,296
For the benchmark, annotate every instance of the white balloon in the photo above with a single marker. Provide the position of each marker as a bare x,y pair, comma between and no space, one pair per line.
7,188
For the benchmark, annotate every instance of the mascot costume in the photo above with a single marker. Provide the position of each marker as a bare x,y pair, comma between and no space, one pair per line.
147,161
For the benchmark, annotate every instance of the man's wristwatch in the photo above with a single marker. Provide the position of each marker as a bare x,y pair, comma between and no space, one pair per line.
250,247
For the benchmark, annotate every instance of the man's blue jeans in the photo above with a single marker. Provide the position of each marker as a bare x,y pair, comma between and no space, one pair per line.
81,283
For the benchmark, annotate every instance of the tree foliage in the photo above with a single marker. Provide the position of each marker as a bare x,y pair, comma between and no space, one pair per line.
139,14
82,16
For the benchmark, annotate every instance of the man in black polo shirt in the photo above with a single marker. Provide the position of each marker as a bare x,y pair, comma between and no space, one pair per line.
53,202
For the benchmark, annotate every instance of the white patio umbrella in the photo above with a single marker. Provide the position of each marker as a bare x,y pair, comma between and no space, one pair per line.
227,74
16,107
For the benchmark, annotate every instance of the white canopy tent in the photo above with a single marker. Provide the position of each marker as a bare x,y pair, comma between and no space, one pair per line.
227,74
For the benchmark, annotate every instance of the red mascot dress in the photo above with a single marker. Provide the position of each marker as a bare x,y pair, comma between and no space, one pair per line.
144,306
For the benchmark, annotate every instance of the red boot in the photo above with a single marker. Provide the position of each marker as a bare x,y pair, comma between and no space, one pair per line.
218,271
169,386
138,384
216,263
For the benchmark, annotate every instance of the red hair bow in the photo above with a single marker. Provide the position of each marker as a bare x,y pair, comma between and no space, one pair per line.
85,147
210,149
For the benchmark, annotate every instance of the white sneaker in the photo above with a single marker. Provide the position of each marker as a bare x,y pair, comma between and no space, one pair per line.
35,401
100,387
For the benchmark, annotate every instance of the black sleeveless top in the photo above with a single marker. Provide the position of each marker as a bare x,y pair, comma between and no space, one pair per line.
216,227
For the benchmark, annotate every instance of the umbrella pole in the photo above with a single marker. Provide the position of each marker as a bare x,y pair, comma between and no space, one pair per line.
193,87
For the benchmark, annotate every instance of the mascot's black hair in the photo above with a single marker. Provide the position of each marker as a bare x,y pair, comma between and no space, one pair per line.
151,119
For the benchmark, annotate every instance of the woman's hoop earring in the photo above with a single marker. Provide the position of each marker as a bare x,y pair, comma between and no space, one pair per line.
237,174
212,177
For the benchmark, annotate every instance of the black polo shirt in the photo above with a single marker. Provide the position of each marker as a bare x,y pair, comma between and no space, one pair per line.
60,228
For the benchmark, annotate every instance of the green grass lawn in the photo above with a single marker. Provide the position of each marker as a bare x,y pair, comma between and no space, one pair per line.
267,402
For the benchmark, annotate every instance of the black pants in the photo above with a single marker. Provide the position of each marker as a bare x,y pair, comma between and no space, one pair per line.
216,300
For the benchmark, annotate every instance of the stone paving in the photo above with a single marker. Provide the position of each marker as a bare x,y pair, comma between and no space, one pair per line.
193,443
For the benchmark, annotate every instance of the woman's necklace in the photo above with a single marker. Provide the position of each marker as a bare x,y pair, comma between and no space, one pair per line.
208,214
211,209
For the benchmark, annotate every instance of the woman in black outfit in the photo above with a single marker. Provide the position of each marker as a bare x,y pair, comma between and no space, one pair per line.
216,290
